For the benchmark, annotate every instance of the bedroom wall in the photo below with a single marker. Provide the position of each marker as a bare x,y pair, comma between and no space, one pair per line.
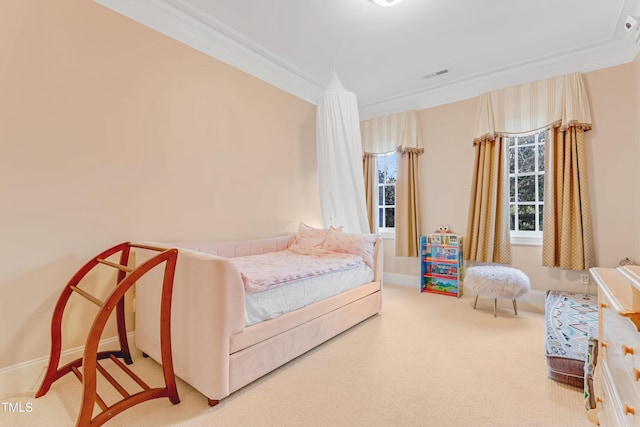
113,132
447,164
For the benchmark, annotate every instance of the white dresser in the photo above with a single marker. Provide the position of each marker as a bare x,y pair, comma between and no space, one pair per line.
617,372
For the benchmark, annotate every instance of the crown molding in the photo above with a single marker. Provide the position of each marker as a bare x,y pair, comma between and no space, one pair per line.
590,58
182,22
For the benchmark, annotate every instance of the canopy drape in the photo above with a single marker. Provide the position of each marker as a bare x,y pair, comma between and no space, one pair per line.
339,146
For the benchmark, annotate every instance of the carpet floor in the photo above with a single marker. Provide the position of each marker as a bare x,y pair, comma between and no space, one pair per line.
426,360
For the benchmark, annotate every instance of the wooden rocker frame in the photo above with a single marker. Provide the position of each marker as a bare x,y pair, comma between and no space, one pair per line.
127,277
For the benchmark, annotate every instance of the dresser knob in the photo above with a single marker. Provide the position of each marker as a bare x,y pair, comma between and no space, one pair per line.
627,350
637,372
598,399
629,410
603,344
603,305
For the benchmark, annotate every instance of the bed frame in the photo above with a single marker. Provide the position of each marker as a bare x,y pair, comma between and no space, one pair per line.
212,349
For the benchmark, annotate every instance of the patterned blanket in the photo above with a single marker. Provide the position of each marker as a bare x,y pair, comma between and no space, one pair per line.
569,316
266,271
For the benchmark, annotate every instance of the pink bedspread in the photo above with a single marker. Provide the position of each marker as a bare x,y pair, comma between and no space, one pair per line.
265,271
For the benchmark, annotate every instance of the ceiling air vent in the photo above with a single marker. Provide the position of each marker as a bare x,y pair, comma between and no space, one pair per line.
437,73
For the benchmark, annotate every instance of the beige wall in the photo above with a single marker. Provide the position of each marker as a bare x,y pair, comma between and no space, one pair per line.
446,169
112,132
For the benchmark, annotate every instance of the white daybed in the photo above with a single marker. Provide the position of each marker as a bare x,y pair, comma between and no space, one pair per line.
216,348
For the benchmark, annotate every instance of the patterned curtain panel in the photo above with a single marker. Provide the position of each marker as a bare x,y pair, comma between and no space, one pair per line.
488,236
370,171
408,198
567,234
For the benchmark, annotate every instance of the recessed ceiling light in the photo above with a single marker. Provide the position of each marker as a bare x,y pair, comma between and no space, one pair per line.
386,2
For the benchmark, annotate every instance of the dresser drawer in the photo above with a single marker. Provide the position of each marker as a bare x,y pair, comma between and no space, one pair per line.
614,412
620,341
617,385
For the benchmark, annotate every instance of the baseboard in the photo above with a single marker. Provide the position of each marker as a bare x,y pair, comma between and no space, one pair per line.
533,297
26,377
401,279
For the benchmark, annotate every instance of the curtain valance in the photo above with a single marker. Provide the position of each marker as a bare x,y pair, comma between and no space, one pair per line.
390,133
560,102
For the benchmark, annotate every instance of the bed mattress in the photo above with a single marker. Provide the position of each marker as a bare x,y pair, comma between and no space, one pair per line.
277,301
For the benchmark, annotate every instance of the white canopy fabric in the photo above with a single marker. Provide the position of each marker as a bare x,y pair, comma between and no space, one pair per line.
340,176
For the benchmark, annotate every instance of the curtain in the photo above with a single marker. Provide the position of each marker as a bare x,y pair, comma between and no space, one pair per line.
567,234
488,236
560,103
385,135
339,147
370,171
408,197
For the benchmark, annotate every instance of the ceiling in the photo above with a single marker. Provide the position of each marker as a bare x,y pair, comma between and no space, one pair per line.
383,54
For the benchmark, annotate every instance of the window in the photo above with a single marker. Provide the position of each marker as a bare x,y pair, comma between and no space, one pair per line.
387,175
526,186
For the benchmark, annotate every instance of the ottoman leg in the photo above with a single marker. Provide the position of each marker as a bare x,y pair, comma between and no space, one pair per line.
515,307
495,307
475,302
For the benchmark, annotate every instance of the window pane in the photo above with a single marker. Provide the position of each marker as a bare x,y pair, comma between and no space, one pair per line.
391,170
540,211
529,139
526,217
512,160
390,195
380,195
512,209
511,141
540,188
512,189
526,188
380,162
526,159
389,217
380,218
541,158
542,137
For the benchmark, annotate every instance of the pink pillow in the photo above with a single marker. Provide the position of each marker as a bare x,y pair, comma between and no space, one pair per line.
361,245
310,237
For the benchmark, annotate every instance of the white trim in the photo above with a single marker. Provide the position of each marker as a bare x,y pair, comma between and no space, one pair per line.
401,280
191,26
26,377
532,238
387,233
589,58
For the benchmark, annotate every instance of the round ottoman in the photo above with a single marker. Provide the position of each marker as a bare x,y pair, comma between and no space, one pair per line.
495,282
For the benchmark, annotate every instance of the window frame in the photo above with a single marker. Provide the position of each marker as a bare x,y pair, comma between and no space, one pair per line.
527,237
381,160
